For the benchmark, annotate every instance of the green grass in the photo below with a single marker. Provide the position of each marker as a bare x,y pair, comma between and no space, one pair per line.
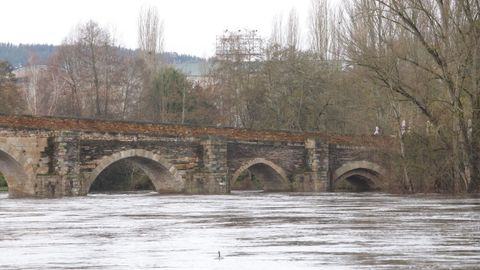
3,189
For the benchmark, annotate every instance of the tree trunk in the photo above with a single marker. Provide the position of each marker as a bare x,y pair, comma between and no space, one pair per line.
407,183
96,82
183,104
474,185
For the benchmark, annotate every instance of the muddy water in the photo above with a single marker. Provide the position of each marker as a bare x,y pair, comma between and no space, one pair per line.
251,230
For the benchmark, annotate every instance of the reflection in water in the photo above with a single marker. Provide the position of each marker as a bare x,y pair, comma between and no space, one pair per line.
251,230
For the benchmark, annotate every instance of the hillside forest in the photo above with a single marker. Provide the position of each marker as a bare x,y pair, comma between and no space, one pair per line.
409,69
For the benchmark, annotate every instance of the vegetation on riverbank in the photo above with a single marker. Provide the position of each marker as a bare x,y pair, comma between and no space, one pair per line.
247,181
3,184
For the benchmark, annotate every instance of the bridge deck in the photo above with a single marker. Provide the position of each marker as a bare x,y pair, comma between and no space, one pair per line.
111,126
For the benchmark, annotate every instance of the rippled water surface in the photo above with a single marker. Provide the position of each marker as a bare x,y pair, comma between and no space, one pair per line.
252,231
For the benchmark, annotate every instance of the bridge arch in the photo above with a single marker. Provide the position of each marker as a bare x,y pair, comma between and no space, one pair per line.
358,176
272,176
16,176
164,176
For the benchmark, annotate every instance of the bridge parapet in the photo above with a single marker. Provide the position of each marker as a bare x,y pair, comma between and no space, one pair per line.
124,128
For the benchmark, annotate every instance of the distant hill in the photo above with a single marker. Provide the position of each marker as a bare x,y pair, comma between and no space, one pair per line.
188,64
18,55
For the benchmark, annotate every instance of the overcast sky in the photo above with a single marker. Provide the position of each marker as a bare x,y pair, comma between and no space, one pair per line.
190,25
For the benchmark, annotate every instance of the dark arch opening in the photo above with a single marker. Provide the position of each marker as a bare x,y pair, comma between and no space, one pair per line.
139,174
359,180
121,176
259,176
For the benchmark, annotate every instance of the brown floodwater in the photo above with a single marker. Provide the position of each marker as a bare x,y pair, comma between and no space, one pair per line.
252,230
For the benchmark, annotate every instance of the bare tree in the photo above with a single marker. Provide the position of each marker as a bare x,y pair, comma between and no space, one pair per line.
325,27
91,40
293,36
150,43
426,51
276,37
131,86
65,67
31,84
91,67
150,36
320,27
40,89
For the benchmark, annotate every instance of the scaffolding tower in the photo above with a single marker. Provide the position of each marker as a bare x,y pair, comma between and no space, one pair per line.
240,46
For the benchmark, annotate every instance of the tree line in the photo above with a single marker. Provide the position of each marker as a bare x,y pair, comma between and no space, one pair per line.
17,55
407,68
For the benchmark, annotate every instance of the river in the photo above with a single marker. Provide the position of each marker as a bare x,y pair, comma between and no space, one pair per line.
251,230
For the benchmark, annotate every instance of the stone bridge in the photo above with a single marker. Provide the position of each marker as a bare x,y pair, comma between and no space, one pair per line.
54,157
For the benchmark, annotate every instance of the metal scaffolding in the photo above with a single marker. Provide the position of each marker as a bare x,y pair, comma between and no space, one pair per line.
240,46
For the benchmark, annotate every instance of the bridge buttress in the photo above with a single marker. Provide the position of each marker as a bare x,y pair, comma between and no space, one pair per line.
40,164
63,177
314,178
211,177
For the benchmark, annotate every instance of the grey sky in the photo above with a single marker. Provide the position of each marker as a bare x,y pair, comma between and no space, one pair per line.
190,25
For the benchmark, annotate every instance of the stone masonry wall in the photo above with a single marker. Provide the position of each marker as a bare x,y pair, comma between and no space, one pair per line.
287,155
342,154
211,176
184,154
315,175
57,155
28,150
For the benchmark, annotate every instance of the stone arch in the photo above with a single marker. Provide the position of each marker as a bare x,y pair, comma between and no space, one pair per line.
362,175
273,177
16,176
164,176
